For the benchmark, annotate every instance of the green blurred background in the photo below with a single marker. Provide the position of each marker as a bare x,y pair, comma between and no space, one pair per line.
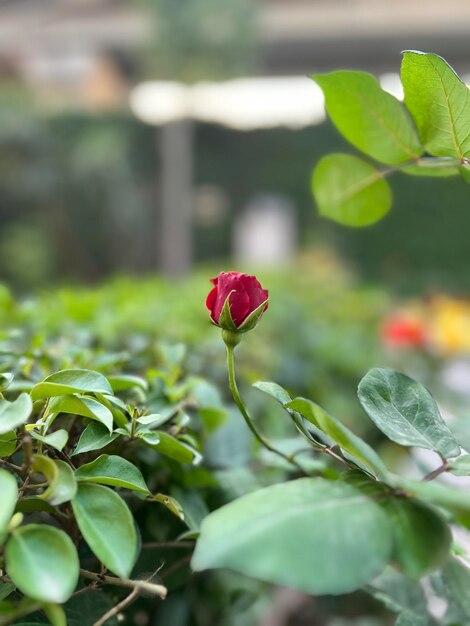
81,177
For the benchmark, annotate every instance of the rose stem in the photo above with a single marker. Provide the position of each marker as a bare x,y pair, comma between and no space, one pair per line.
239,402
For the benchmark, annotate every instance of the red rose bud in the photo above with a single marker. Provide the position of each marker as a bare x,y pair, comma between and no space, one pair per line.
236,302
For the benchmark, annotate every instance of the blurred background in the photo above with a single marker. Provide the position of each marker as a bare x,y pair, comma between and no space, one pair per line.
146,145
101,172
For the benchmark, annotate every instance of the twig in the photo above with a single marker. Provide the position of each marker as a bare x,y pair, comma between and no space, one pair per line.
437,472
134,594
27,454
175,566
15,468
141,585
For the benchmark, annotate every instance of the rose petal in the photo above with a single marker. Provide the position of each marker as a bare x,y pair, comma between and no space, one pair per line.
211,298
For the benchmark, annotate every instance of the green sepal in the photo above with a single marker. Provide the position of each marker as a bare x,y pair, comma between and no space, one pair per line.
253,318
225,318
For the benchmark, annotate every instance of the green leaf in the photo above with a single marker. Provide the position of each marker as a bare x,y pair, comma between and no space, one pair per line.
84,406
460,466
88,607
274,390
440,172
213,418
439,103
55,614
112,470
297,530
67,382
9,491
350,191
170,503
408,618
117,408
32,504
123,382
456,578
57,439
347,440
371,119
405,411
465,173
171,447
7,443
6,589
154,419
422,537
14,414
42,562
107,526
194,507
62,484
6,378
398,593
457,501
94,437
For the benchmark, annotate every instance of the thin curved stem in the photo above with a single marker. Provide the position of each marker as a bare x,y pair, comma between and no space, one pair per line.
249,422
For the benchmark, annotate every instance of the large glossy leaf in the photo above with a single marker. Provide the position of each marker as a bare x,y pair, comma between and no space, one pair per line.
370,118
341,435
9,496
292,535
62,484
439,103
422,537
112,470
14,414
71,381
42,562
84,406
350,191
107,526
405,411
94,437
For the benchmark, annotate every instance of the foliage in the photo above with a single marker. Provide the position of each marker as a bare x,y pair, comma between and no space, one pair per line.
428,135
101,463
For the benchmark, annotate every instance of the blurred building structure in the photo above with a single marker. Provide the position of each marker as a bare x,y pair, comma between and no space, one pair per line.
83,59
62,44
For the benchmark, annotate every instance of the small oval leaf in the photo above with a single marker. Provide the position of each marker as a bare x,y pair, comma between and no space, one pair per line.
107,526
112,470
9,496
350,191
71,381
14,414
42,562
